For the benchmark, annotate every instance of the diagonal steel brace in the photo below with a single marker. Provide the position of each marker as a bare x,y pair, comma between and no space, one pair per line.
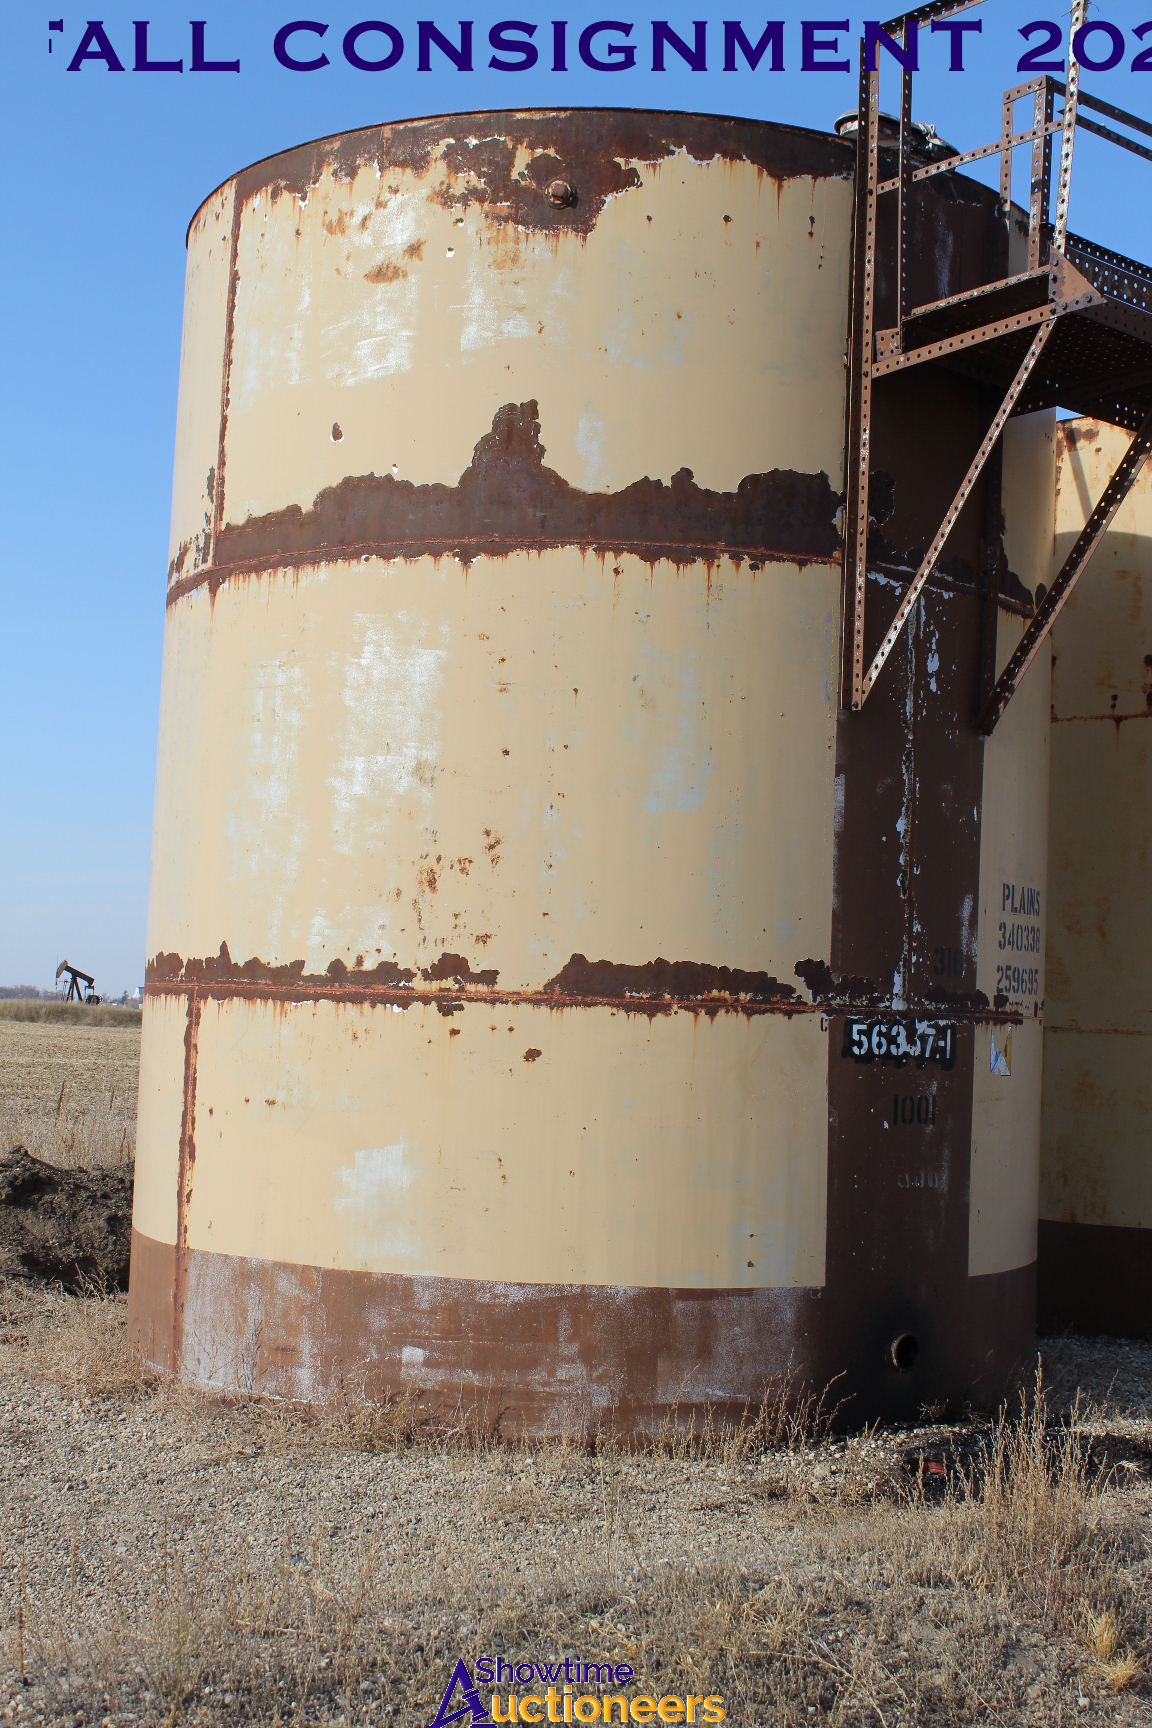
907,605
1050,607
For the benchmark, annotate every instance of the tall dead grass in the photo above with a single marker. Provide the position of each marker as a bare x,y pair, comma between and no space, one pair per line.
78,1344
790,1414
99,1131
1036,1509
57,1013
1031,1528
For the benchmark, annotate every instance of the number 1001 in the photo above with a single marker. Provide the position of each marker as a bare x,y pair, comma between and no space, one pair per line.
908,1110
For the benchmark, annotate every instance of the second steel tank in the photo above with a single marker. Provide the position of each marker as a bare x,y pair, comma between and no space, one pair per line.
1095,1261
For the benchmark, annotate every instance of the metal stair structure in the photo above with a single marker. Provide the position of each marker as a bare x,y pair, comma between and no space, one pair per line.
1074,330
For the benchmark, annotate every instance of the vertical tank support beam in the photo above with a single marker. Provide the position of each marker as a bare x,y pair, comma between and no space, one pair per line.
860,400
992,562
903,198
1002,263
1041,170
1052,604
1071,89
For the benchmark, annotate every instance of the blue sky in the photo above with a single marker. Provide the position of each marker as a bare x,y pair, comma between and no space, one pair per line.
105,170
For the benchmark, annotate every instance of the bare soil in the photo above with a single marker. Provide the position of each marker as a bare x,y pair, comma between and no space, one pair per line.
69,1225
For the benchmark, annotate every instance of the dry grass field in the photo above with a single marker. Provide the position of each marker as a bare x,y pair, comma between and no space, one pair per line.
166,1557
68,1081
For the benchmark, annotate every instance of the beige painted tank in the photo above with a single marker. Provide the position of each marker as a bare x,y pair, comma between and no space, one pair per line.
1095,1262
532,937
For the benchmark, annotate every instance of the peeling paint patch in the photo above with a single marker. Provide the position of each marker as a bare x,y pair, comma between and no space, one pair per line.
677,980
473,157
455,969
1000,1052
507,500
653,988
390,737
222,969
378,1171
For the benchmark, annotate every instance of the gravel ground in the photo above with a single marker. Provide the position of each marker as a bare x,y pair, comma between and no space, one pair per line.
1113,1373
166,1557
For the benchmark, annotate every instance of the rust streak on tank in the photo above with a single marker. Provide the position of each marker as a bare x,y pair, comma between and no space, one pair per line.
221,968
186,1162
592,149
587,1356
386,271
455,968
217,491
525,505
837,995
656,987
671,980
650,988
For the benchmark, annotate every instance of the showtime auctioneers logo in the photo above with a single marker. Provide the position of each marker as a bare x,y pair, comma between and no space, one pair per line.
562,1701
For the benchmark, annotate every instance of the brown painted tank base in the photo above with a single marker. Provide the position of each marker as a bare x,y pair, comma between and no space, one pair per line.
1095,1279
538,1359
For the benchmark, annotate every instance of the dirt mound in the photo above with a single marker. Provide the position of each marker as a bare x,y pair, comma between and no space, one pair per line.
75,1225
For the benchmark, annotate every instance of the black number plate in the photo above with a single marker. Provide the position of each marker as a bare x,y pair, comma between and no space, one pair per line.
901,1040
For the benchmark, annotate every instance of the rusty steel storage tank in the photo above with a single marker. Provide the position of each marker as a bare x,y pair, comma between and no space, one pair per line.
1095,1245
527,918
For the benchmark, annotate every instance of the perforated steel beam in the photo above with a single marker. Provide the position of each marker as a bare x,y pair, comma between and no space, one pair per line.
1071,90
1041,170
1121,114
889,363
860,398
904,199
1053,602
933,9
